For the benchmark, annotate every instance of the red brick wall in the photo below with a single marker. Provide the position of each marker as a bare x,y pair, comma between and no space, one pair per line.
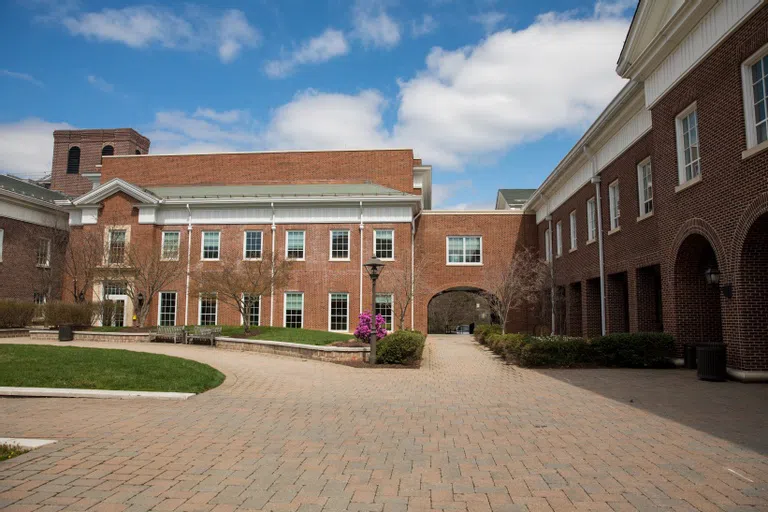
125,141
390,168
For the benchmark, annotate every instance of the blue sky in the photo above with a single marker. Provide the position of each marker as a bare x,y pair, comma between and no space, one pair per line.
491,93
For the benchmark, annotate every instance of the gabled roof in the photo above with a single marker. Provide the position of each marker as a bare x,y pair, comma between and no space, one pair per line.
28,189
113,187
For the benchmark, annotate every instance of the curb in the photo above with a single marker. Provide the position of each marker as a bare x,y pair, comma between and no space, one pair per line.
26,443
90,393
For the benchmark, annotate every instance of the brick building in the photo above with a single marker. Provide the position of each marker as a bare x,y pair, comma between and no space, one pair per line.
658,218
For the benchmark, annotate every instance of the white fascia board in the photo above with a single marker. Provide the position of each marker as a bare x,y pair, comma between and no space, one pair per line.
29,201
112,187
330,201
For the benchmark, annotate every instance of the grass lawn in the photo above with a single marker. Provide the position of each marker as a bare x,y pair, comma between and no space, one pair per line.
9,451
42,366
303,336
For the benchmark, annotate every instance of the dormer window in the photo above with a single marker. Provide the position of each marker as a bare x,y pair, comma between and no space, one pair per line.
73,160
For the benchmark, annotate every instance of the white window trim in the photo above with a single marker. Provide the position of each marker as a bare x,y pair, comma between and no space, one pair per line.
393,243
200,309
559,238
303,246
175,307
108,239
245,239
464,237
330,294
641,199
680,150
285,308
2,240
47,263
392,307
614,212
349,244
749,103
573,230
202,246
241,316
547,245
591,223
162,246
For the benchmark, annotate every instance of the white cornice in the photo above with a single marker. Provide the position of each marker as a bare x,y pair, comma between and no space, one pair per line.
476,212
114,186
28,201
308,200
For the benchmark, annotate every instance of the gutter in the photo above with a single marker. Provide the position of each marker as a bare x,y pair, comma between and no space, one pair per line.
413,268
362,242
189,262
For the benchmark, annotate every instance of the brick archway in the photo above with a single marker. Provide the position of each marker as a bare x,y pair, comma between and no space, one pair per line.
479,314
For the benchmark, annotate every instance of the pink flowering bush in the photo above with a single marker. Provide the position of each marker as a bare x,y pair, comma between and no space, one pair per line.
365,327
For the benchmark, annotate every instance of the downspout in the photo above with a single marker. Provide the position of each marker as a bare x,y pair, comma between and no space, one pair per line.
362,243
550,256
601,256
413,269
189,261
272,275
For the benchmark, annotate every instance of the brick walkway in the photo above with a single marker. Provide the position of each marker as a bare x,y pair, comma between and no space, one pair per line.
465,432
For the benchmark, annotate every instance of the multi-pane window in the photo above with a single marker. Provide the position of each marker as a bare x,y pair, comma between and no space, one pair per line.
167,305
254,310
294,310
613,204
572,220
209,306
252,247
548,245
559,238
384,244
384,304
688,145
38,298
340,245
170,250
211,245
294,245
759,78
591,220
465,250
339,312
43,256
117,239
645,187
114,288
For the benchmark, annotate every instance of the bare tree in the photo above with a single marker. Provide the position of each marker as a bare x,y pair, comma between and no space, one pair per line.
407,284
83,255
239,282
516,285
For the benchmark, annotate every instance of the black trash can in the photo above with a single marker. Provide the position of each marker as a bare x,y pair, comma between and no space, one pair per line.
689,357
711,359
65,333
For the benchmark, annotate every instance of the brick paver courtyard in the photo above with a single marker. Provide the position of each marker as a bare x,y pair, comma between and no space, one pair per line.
464,432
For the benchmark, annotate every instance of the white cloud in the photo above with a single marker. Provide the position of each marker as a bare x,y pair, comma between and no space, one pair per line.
373,25
489,20
427,25
100,83
443,192
26,147
206,131
322,48
614,8
144,26
228,116
21,76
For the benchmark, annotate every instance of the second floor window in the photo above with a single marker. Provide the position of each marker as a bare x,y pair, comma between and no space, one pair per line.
645,187
44,253
688,145
465,250
211,244
340,245
559,239
755,77
252,249
384,244
170,245
572,220
548,245
613,203
117,240
294,245
591,220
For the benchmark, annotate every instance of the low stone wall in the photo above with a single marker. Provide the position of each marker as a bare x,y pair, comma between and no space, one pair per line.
14,333
320,353
112,337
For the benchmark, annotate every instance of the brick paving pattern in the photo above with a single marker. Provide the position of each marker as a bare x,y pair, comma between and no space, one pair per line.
463,433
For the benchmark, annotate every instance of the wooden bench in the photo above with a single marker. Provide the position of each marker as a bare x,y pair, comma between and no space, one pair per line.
168,332
204,334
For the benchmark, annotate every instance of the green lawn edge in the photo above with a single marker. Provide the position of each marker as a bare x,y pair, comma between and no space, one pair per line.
285,334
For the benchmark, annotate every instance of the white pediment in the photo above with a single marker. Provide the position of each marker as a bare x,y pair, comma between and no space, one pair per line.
112,187
651,18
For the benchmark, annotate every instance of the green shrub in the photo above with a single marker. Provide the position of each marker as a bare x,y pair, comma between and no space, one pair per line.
502,343
555,351
61,313
16,314
400,347
483,331
634,350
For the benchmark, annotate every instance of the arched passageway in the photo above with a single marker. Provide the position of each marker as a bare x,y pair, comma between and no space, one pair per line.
753,297
697,301
456,307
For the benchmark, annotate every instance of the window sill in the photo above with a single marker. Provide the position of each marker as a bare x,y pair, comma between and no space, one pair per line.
340,259
169,259
614,230
251,259
754,150
464,264
210,259
591,241
645,216
387,259
557,257
43,266
572,250
688,184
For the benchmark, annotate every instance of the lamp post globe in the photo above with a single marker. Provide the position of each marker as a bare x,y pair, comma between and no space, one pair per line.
373,266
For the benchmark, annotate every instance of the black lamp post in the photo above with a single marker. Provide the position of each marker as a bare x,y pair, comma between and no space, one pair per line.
373,266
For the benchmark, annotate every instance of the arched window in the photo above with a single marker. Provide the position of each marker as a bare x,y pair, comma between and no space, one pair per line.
107,150
138,152
73,160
